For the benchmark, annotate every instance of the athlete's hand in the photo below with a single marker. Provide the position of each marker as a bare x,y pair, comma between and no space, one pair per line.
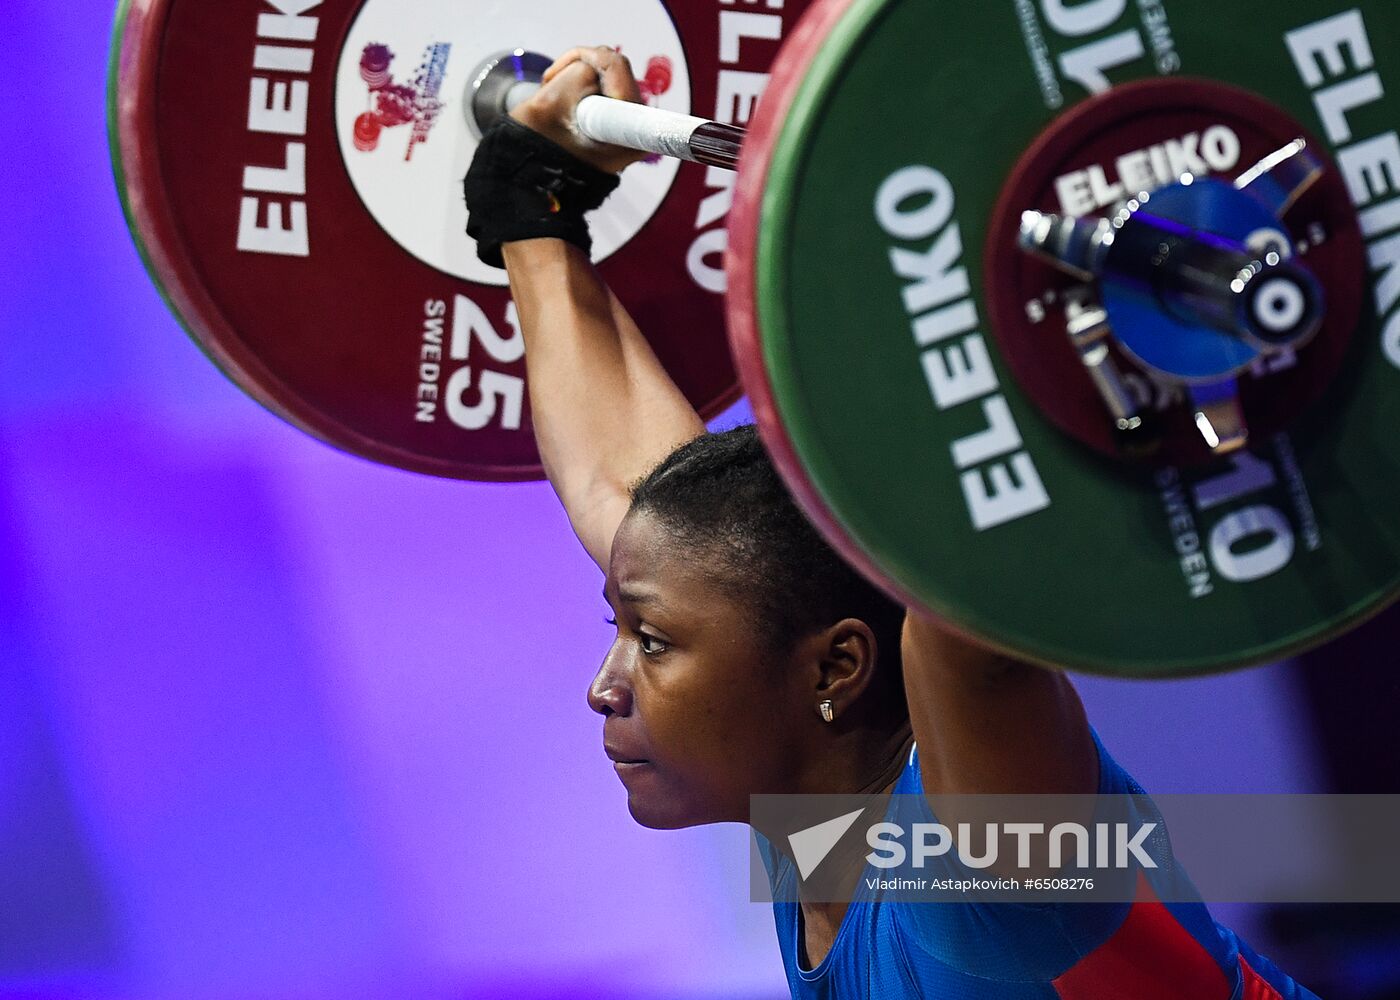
575,75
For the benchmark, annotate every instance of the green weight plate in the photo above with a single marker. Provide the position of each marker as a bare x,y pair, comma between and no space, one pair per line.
888,138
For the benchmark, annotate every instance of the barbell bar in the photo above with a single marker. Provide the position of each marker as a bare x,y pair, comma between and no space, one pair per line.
507,79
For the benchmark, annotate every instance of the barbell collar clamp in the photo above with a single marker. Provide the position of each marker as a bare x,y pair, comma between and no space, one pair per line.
1272,302
1282,177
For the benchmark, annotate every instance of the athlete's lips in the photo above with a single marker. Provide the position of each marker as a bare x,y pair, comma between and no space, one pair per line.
619,756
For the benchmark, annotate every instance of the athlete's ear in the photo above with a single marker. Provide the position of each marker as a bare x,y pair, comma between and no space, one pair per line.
840,663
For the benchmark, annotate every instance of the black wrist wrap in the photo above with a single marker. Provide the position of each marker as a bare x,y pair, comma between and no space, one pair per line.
522,186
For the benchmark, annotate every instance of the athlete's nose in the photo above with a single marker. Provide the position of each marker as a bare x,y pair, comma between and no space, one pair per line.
611,692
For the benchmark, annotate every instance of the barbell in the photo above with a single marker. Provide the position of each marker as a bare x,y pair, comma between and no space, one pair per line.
510,78
1074,324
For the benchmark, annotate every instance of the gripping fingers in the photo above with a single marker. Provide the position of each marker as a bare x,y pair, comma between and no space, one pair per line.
614,71
562,63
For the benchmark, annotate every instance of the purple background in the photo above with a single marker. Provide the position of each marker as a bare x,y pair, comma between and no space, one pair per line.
276,722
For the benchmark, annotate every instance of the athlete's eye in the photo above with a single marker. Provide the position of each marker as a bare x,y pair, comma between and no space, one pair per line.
651,645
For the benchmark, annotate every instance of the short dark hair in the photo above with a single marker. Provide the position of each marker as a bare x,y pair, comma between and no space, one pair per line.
720,493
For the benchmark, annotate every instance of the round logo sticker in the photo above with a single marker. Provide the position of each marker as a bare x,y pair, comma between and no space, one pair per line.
404,83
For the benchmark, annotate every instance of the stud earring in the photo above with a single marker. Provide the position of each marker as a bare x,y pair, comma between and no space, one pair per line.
826,709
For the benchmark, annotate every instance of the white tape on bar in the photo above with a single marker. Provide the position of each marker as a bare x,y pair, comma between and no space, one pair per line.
637,126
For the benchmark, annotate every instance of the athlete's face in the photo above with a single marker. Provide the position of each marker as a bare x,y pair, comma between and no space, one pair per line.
696,713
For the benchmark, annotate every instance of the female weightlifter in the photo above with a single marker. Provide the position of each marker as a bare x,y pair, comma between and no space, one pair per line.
750,659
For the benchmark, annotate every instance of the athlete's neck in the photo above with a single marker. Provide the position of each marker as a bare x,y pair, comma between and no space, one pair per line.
819,921
871,771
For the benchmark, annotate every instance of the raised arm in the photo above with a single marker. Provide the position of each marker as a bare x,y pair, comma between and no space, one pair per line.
605,411
988,724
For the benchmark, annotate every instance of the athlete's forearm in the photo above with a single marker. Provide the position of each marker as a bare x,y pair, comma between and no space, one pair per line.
605,411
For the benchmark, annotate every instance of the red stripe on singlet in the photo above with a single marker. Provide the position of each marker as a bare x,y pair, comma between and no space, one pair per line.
1256,987
1150,957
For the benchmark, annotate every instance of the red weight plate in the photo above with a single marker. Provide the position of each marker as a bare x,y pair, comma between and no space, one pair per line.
292,173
